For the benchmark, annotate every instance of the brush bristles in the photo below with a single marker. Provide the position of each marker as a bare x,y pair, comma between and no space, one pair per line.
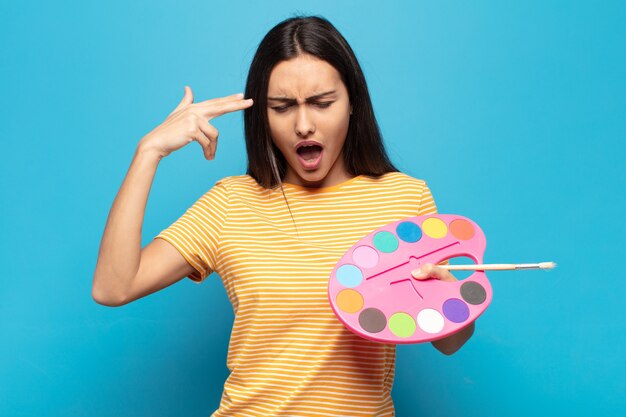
547,265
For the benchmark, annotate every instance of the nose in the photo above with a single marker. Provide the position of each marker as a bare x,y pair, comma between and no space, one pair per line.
304,123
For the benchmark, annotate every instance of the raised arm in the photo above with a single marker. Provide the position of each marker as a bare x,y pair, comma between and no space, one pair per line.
124,271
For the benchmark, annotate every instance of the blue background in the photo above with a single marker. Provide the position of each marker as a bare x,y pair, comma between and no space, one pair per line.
513,112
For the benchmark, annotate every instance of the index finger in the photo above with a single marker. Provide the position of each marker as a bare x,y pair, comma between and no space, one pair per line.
218,109
218,100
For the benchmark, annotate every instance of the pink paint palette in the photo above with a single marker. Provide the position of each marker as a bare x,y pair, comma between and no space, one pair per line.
372,292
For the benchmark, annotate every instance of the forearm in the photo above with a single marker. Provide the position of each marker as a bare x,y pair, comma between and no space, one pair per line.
449,345
120,248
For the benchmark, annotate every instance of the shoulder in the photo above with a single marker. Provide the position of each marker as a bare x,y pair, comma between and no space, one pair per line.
237,181
240,186
227,191
408,188
400,180
396,186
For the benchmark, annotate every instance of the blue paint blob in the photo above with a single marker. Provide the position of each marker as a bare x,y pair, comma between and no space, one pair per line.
409,232
349,275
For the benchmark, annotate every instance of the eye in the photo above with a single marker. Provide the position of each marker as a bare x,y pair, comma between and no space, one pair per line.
281,109
284,108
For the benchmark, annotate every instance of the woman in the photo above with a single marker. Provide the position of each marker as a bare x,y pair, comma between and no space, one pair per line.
318,179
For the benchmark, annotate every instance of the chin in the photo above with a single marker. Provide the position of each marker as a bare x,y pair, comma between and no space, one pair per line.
313,177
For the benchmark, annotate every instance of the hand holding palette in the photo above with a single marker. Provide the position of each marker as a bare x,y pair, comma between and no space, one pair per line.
372,291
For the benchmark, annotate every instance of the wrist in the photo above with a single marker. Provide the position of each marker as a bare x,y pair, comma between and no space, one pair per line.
146,150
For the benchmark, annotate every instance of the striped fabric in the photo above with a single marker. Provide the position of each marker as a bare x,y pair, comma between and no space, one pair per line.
288,354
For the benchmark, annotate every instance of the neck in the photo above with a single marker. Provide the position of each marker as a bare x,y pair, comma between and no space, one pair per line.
330,180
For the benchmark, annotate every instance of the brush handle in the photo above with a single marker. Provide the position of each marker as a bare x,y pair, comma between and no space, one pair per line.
497,267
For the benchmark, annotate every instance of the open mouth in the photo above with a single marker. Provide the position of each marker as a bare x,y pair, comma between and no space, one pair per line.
310,152
310,155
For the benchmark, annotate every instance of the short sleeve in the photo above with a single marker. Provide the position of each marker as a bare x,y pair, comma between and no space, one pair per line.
196,234
427,203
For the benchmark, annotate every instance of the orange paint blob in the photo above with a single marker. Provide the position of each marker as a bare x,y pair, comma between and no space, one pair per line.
462,229
350,301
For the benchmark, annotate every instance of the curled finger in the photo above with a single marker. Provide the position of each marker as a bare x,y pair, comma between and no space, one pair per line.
211,134
204,142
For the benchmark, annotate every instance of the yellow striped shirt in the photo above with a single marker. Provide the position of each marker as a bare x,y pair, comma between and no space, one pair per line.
288,354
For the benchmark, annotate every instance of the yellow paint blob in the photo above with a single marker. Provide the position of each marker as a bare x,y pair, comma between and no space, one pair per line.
435,228
349,301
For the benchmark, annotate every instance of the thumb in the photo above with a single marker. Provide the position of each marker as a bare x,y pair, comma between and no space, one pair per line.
187,99
423,272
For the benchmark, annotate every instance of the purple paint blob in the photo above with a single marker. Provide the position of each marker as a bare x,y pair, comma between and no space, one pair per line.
455,310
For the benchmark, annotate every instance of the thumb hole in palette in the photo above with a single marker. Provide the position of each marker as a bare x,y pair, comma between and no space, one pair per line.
461,260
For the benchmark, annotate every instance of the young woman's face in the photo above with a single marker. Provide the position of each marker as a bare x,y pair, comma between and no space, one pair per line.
309,112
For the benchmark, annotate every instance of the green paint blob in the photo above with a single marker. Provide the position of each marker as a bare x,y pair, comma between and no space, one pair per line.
402,325
385,242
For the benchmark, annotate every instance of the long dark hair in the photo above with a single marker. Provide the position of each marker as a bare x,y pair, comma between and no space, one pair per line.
363,152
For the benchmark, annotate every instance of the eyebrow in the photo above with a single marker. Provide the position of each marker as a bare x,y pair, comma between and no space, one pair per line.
308,99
